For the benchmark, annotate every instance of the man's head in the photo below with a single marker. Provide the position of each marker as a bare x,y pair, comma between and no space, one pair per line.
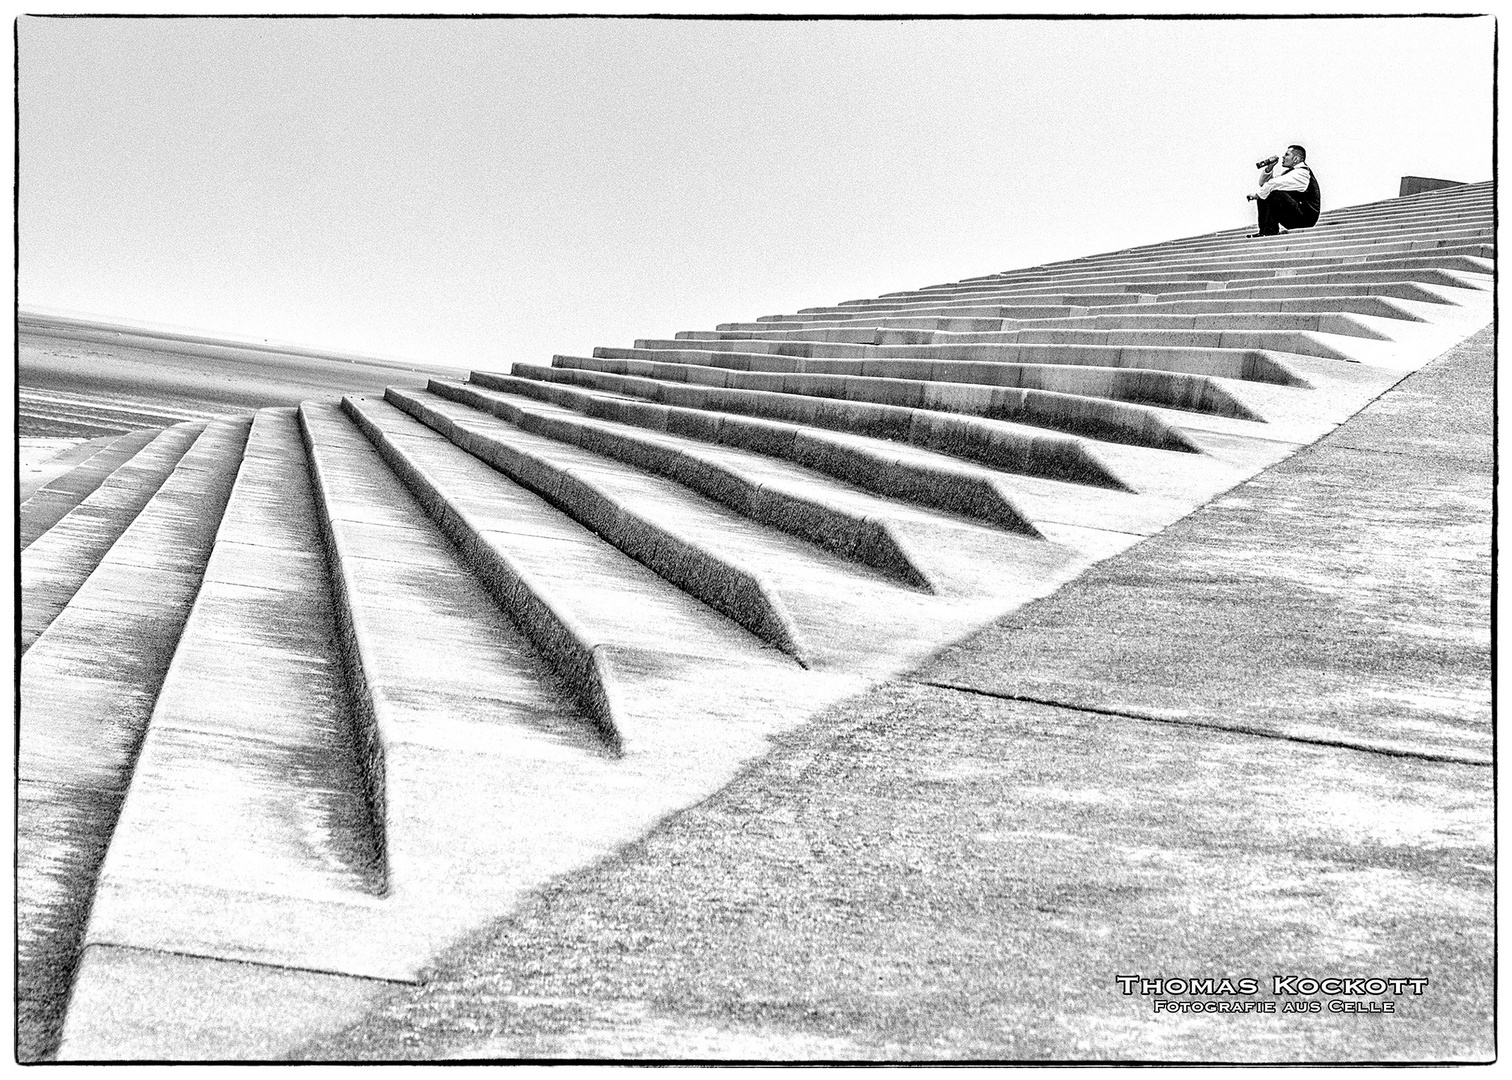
1294,156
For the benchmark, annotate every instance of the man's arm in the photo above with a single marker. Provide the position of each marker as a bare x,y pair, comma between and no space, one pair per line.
1295,180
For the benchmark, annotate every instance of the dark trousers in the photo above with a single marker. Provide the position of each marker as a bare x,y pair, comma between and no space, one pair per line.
1284,209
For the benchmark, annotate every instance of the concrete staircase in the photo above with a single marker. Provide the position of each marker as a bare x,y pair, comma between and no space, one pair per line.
307,697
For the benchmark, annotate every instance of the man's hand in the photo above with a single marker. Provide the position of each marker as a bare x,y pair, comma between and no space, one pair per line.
1251,197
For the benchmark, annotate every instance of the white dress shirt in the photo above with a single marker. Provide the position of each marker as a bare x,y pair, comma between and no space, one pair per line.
1295,179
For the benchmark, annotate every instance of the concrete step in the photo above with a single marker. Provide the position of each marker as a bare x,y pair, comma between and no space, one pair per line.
519,807
1111,420
1306,342
1032,309
570,608
390,564
1012,448
57,413
1428,245
1459,279
250,796
57,563
1471,258
1248,364
453,644
399,721
1292,250
1027,293
87,687
1028,307
843,521
1173,390
1299,342
879,466
1150,479
1332,237
1441,200
317,920
905,330
1445,207
1426,234
1362,305
42,459
1099,293
815,595
450,692
1448,213
1302,323
687,544
1427,292
1476,239
1332,232
45,504
1319,322
1401,307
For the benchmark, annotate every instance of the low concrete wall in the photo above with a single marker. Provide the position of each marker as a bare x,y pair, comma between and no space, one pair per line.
1414,185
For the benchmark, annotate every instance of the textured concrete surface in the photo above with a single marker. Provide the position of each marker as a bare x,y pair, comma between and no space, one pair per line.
52,487
1302,594
56,565
39,460
86,379
177,1026
424,634
87,687
937,873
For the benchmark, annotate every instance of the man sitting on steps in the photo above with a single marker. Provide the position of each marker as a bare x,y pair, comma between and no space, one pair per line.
1291,200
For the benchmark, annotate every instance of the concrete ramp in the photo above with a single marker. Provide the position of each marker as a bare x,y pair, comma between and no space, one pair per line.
310,697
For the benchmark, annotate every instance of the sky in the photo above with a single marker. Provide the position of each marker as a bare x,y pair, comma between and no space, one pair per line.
478,192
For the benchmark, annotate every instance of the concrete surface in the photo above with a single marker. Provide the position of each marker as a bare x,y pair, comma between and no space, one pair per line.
86,690
57,563
83,379
115,1017
377,734
1413,185
52,487
39,460
960,872
1302,594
